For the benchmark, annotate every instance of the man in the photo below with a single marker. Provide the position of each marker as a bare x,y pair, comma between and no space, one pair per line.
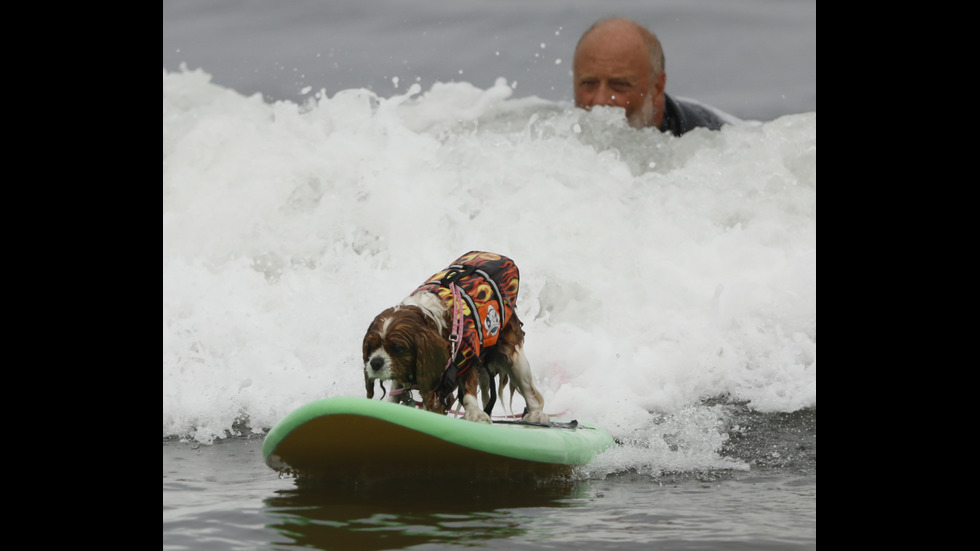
620,63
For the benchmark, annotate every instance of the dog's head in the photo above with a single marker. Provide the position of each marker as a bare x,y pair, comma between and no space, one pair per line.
406,344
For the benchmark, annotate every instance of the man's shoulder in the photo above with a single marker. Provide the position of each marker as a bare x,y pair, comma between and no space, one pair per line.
683,115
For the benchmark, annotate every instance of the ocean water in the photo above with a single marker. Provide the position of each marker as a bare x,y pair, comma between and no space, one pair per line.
756,59
668,284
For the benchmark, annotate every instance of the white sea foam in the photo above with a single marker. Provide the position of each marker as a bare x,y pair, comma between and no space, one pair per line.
657,271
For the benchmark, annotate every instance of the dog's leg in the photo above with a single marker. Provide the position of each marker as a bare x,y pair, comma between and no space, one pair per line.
471,407
520,370
485,383
431,402
472,410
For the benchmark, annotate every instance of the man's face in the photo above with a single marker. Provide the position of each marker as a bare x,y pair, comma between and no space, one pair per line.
612,67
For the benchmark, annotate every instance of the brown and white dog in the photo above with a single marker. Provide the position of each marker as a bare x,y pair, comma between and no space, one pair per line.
455,332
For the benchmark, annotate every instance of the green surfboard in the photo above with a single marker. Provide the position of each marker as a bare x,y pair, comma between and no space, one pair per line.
358,437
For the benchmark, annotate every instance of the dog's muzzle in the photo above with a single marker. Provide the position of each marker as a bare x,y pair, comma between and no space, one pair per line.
376,369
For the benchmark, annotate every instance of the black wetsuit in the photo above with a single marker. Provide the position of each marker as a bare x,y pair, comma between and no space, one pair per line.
681,117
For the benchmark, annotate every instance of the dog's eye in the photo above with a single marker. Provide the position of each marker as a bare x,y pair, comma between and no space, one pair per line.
398,348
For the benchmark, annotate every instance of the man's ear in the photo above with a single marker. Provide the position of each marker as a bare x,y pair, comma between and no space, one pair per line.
660,83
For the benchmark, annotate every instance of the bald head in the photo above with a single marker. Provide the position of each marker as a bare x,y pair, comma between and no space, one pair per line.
620,63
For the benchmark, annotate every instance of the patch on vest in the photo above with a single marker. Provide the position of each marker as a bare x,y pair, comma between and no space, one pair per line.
492,321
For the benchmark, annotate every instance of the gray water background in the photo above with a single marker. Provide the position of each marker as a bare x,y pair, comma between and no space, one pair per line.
755,59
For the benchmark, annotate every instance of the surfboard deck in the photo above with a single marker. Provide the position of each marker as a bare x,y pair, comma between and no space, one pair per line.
358,437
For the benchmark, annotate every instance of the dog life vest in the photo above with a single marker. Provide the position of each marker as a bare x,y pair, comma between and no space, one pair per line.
488,285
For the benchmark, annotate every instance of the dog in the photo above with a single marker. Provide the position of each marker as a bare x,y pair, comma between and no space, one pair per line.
455,332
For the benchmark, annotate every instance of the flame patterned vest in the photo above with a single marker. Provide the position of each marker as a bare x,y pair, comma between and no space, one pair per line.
488,283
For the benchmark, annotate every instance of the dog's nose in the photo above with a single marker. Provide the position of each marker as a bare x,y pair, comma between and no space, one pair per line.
377,363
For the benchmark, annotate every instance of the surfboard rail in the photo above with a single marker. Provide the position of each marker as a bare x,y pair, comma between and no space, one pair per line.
346,436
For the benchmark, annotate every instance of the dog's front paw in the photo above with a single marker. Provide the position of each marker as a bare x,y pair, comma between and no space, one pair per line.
476,415
536,416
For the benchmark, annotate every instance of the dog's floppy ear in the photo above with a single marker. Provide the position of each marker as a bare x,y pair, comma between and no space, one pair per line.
370,342
431,356
369,385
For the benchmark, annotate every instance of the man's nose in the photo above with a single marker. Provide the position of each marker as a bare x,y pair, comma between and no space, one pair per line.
604,96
